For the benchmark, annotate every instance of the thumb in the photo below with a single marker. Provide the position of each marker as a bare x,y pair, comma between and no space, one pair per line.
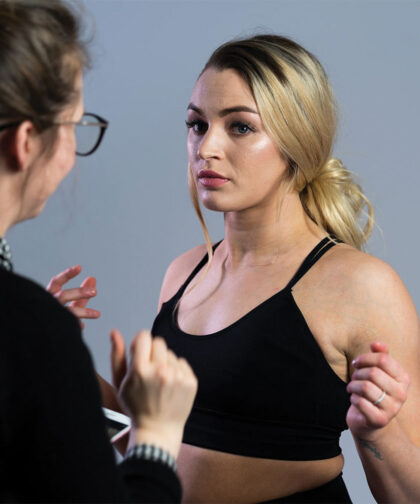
118,359
379,346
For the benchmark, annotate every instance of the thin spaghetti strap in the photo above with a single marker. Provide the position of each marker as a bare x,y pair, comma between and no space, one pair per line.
199,266
322,247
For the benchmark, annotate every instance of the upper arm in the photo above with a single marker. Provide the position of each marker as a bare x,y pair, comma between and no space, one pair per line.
384,311
178,272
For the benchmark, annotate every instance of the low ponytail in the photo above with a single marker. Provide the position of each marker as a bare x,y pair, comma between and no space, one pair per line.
337,204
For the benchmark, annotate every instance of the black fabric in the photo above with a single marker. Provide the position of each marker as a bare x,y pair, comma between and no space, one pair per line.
265,387
53,441
333,492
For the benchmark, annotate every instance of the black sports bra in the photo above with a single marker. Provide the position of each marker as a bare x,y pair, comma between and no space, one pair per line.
265,387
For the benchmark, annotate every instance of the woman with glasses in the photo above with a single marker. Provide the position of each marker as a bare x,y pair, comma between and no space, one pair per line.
53,441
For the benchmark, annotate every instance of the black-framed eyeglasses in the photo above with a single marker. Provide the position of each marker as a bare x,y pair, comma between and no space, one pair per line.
89,132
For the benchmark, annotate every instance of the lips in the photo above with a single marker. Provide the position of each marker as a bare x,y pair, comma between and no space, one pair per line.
210,174
210,178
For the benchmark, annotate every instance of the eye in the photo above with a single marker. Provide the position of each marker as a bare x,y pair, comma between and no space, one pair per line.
241,128
199,127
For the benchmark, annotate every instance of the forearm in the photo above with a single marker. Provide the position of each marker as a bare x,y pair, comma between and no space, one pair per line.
391,464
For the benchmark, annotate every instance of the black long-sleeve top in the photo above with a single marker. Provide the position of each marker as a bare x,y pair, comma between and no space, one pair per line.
53,441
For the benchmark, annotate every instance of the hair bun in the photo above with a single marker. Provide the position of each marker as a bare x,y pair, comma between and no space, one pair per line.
323,195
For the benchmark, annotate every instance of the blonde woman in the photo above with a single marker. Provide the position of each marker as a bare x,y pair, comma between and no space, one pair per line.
294,333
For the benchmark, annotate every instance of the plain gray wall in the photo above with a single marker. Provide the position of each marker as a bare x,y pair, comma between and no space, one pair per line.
124,213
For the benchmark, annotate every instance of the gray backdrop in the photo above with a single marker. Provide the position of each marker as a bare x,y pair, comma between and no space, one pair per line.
124,213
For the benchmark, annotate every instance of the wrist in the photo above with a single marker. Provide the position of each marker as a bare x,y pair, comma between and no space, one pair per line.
153,453
166,439
377,435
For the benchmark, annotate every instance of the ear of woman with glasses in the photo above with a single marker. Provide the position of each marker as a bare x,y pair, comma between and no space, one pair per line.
53,442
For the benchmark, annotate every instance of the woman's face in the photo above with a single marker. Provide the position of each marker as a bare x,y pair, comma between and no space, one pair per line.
235,164
50,169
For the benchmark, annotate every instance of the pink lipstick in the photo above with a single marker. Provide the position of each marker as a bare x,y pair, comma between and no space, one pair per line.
210,178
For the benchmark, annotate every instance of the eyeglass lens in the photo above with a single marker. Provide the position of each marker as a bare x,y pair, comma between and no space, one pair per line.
88,135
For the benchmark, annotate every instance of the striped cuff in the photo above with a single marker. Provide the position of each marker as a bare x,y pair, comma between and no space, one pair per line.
152,452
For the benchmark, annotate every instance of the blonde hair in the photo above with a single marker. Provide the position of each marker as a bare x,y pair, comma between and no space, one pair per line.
298,110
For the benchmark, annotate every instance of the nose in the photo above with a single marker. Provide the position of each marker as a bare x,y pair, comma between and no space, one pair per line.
210,145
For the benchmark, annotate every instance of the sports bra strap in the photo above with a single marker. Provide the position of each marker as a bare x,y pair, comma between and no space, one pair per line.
199,266
316,254
322,247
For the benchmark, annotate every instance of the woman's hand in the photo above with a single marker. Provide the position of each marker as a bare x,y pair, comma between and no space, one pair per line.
75,299
156,389
378,389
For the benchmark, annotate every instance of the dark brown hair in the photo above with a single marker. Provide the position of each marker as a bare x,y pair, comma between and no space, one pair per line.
41,54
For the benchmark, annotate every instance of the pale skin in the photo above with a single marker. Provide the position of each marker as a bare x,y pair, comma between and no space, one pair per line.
349,299
355,305
153,386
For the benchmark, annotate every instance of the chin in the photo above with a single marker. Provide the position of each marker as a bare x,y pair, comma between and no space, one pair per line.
35,211
218,206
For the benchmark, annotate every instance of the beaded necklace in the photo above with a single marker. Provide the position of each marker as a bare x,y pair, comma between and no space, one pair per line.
5,255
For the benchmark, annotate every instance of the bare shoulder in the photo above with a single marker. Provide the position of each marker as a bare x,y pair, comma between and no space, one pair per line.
178,272
364,270
375,298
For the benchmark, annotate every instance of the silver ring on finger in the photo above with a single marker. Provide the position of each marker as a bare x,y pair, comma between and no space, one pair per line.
380,399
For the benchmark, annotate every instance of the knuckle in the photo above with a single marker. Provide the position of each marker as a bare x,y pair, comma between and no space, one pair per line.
383,360
402,395
394,409
171,355
366,387
382,421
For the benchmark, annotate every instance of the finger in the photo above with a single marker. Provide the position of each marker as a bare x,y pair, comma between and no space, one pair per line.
88,283
374,417
368,390
85,313
59,280
379,346
141,348
186,367
381,360
381,379
118,359
77,293
159,353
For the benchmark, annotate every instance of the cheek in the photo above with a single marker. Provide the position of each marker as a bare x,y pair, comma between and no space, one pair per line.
192,147
62,161
263,157
263,150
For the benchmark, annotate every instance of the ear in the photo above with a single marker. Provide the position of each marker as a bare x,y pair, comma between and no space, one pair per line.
20,146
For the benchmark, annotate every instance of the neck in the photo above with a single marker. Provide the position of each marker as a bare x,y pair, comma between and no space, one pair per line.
260,236
9,202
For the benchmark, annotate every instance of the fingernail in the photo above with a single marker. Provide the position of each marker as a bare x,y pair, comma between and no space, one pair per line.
91,292
354,362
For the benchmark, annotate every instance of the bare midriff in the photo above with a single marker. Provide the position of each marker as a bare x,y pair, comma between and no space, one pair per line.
210,476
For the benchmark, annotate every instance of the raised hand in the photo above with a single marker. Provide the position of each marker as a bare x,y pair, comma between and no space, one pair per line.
77,298
156,389
378,389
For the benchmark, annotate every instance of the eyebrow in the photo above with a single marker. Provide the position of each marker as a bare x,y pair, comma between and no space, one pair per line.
226,111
